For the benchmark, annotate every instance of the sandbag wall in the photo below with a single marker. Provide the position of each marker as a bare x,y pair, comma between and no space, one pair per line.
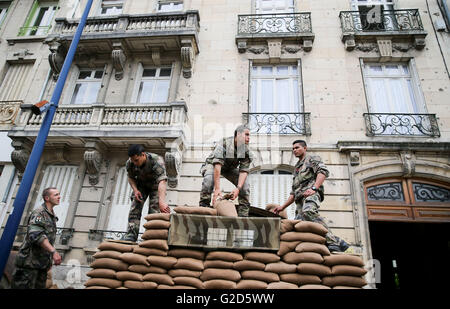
303,261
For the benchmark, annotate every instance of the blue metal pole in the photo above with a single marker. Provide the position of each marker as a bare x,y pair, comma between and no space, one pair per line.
12,224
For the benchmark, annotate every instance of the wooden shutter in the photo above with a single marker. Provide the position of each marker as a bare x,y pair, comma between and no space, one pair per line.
15,83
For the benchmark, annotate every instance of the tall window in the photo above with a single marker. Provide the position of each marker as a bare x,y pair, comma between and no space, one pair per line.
87,86
154,84
375,15
4,5
170,6
271,187
40,18
274,6
111,7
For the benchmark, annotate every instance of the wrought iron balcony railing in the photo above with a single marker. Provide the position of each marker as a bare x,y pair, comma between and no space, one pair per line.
279,123
100,235
256,24
381,21
401,124
63,234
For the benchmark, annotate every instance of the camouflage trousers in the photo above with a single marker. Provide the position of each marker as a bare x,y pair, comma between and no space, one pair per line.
233,176
27,278
134,216
308,210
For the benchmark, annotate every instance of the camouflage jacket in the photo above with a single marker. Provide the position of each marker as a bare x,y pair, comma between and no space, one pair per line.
41,226
150,174
305,174
229,156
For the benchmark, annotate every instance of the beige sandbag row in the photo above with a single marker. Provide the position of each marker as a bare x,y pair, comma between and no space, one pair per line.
196,210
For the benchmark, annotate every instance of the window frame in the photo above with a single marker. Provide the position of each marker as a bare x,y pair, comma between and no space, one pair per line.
32,16
77,80
110,4
4,9
165,2
140,78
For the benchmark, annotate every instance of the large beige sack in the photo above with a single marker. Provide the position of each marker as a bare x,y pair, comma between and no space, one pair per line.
348,270
174,287
159,278
300,279
302,236
115,246
149,251
218,264
225,208
141,285
110,283
344,280
160,244
343,259
196,210
128,275
263,257
302,257
107,254
251,284
157,224
155,234
281,286
110,264
219,273
134,258
314,269
287,246
312,247
219,284
271,207
287,225
281,268
102,273
157,216
311,227
260,275
166,262
189,263
248,265
142,269
181,252
184,273
314,287
224,255
189,281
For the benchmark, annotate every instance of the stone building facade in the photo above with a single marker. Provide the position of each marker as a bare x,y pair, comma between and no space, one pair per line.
365,83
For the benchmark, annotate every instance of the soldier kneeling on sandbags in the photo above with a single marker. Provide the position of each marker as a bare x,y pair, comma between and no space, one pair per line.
147,177
231,158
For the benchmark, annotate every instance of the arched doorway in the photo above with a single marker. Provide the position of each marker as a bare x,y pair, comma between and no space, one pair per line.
409,224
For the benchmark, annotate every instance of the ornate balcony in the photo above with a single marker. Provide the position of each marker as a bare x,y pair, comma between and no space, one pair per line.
123,35
279,33
279,123
402,29
382,124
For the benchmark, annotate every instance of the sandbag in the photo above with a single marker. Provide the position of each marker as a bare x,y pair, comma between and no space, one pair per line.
102,273
140,285
174,287
143,269
224,255
219,273
219,284
260,275
155,234
189,263
189,281
160,244
159,278
263,257
157,224
180,252
251,284
128,275
165,262
271,207
302,257
218,264
314,269
110,264
110,283
314,286
344,280
115,246
311,227
134,258
281,268
184,273
342,287
107,254
300,279
302,236
226,208
287,246
149,251
157,216
196,210
287,225
281,285
348,270
248,265
343,259
312,247
98,287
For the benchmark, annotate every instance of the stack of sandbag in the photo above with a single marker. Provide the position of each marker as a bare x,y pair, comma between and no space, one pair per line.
186,272
219,272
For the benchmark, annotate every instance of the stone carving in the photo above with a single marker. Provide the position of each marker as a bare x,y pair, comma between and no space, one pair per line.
367,47
8,112
354,158
20,156
118,59
258,50
93,161
408,163
173,163
55,58
187,58
290,49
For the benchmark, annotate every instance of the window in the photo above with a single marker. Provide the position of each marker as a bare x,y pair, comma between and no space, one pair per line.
408,199
170,6
375,15
274,6
271,187
87,86
4,5
111,7
63,178
154,84
393,89
15,84
40,18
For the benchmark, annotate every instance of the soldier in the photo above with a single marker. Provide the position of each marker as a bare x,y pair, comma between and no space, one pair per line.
147,177
308,192
35,256
230,158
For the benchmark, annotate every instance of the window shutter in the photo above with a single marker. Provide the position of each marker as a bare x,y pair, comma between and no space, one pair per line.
137,83
61,177
15,82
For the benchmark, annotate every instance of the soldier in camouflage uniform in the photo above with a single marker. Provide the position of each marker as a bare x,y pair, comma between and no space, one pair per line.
231,158
36,254
148,179
308,192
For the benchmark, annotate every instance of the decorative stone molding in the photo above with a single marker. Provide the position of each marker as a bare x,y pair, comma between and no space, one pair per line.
156,56
118,60
274,50
22,54
173,164
355,158
20,156
93,161
55,58
8,112
187,57
385,49
408,163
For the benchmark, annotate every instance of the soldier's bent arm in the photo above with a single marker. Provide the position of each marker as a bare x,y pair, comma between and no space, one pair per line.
217,172
36,229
